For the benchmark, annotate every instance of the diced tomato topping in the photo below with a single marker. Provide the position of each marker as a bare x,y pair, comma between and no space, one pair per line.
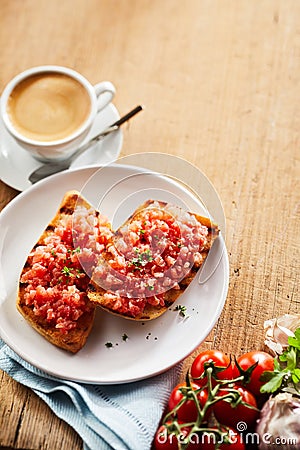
149,256
59,269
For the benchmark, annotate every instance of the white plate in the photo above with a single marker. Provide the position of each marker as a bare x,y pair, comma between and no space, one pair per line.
151,347
16,164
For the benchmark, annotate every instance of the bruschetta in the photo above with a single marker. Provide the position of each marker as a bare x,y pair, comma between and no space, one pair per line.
52,287
151,260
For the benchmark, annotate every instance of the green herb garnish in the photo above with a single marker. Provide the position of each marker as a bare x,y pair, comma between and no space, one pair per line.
66,271
181,309
141,259
286,373
109,344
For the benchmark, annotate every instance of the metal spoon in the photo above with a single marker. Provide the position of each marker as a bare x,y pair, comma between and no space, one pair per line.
58,166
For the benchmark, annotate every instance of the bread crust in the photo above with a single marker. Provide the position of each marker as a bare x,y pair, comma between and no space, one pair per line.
75,339
96,292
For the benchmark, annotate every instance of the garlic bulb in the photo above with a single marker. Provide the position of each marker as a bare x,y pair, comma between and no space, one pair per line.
279,423
278,330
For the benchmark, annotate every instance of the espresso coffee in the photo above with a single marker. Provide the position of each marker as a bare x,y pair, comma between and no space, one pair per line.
48,106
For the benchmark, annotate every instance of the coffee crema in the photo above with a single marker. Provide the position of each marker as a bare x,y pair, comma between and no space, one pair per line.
48,106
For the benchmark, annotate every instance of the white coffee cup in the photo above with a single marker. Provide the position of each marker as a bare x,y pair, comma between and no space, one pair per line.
49,110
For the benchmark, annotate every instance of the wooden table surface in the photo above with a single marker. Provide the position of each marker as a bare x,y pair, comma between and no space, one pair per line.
220,82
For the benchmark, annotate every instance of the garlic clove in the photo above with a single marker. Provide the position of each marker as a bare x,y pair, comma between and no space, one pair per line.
278,330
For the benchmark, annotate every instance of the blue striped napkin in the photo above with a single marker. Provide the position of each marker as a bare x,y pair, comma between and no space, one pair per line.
107,417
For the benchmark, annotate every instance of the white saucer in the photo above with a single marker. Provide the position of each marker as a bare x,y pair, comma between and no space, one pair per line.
16,164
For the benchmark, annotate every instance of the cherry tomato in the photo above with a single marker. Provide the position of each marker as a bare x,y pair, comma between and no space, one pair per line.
236,441
265,362
165,441
187,412
230,415
219,358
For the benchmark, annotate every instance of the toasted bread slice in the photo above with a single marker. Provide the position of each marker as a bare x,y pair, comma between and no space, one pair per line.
73,341
110,286
52,286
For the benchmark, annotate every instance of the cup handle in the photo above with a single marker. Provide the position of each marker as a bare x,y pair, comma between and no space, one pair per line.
105,92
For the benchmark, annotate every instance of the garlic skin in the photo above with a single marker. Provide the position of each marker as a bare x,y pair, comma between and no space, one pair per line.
279,423
278,330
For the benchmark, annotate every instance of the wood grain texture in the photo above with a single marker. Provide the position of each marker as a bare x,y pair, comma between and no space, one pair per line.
220,82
